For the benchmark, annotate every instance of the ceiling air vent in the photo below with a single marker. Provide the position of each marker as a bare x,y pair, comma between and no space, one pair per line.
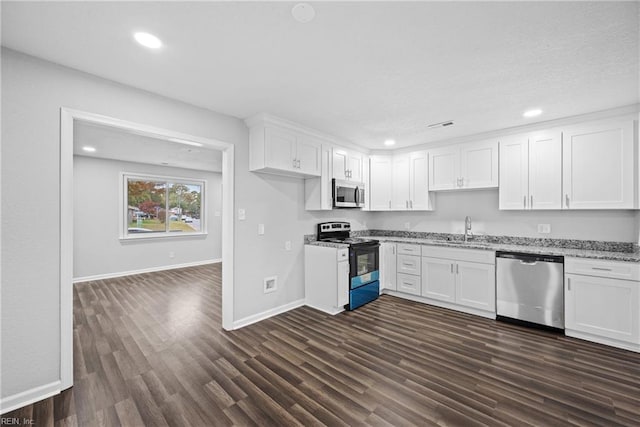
441,124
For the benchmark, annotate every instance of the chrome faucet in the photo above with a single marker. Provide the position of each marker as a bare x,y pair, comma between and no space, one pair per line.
467,228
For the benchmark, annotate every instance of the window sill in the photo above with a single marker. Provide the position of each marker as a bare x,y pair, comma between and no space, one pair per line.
163,236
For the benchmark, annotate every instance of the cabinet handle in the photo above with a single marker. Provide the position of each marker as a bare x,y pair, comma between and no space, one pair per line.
411,204
451,268
406,203
568,283
298,164
389,204
393,250
524,201
566,199
601,269
462,182
457,269
458,182
294,163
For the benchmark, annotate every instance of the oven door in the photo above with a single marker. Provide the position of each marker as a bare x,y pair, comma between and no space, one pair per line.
363,264
347,194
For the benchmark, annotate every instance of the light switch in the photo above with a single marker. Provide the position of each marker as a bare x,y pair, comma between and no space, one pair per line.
242,214
260,229
544,228
287,245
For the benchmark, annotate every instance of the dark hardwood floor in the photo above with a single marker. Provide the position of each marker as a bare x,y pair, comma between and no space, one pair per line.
149,350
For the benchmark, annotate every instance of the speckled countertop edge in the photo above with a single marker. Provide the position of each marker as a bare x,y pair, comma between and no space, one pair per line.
612,251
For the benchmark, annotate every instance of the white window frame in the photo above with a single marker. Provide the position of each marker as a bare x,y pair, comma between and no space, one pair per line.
123,206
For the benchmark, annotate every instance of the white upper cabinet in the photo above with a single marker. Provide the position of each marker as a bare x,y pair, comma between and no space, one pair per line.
444,168
380,183
464,166
531,171
279,149
400,182
419,181
598,165
348,165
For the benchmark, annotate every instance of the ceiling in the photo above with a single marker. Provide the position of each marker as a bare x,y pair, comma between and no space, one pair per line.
362,71
116,144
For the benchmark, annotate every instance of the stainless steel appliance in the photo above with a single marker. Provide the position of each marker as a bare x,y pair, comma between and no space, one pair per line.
347,194
364,261
530,288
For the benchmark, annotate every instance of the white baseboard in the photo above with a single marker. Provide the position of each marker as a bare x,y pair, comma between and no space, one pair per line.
144,270
266,314
442,304
28,397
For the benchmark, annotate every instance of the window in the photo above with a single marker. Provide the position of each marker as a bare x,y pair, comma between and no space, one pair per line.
162,206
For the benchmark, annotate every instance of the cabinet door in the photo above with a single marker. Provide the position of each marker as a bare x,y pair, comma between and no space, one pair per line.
280,149
400,183
438,279
355,167
545,170
380,183
419,181
597,165
479,164
604,307
340,164
444,168
343,284
476,285
513,191
308,156
388,266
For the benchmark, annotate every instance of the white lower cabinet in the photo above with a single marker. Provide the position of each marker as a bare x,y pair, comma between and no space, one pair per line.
409,283
388,266
462,279
469,284
438,281
602,309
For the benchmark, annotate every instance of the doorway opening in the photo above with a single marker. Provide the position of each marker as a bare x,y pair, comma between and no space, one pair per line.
73,123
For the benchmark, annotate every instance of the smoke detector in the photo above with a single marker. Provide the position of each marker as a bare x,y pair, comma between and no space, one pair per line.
303,12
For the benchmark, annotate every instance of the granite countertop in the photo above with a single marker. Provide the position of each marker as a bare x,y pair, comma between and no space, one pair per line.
613,251
546,250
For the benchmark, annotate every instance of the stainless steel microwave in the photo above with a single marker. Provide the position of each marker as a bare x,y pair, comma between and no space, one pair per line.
347,194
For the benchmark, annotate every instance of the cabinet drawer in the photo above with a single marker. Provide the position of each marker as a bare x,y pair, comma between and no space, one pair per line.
409,264
343,254
409,284
602,268
408,249
459,254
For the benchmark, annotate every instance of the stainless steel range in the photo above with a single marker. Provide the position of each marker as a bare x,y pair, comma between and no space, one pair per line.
364,258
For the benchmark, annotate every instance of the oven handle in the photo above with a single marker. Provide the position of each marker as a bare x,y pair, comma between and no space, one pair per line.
357,196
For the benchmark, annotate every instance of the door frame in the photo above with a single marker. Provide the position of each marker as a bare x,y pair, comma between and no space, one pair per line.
67,118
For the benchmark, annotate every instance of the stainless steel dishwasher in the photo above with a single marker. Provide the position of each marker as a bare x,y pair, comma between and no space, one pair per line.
530,288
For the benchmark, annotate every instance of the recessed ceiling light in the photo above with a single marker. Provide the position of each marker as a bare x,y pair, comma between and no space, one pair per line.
89,149
185,142
532,113
389,142
303,12
148,40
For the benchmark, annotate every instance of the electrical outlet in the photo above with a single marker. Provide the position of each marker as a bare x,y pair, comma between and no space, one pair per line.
407,225
287,245
544,228
260,229
172,254
242,214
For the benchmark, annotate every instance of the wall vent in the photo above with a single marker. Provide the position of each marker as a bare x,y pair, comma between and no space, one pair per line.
440,125
270,284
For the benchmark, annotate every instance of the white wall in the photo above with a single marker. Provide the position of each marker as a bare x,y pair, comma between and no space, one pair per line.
482,206
97,247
